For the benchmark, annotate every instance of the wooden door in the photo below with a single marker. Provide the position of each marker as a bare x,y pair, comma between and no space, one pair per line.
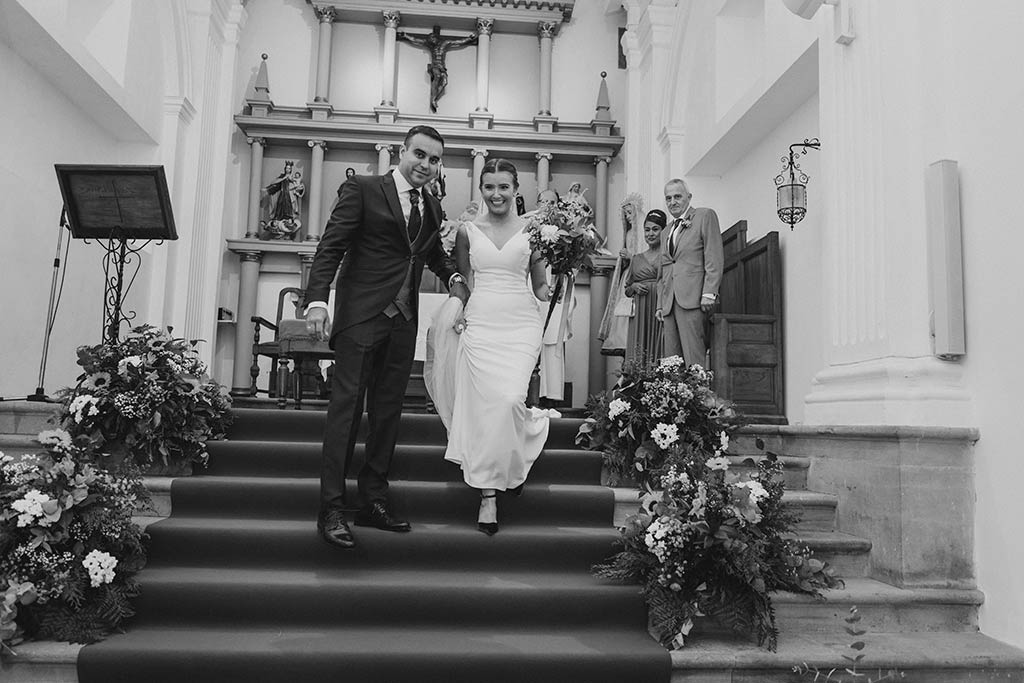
746,335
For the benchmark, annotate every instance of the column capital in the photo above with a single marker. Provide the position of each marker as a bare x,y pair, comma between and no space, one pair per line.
392,18
604,160
250,256
484,27
324,13
380,147
479,152
322,144
543,155
546,29
256,141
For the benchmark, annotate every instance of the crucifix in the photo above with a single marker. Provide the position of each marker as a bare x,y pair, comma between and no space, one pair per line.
438,47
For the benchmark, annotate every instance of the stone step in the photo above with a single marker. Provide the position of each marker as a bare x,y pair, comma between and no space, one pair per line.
882,608
26,417
922,657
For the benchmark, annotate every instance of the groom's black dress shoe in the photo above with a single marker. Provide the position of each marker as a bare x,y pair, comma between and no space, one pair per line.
377,515
333,528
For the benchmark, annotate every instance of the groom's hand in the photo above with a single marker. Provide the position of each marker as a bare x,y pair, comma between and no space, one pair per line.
319,323
460,290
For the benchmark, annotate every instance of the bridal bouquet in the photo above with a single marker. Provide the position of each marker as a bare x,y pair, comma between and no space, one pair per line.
146,397
710,537
68,545
563,234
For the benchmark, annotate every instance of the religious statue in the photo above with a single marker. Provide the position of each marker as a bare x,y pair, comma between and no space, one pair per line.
282,199
438,46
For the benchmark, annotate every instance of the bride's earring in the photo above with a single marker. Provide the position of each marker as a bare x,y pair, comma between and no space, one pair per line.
487,520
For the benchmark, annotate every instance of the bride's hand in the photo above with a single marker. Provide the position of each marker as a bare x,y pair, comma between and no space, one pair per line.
460,325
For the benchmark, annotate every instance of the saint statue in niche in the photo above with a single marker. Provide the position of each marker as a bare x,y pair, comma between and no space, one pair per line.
438,47
282,199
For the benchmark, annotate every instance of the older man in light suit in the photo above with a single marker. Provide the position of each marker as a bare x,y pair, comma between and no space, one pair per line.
688,288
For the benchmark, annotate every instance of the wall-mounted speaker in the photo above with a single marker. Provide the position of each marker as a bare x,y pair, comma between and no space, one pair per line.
945,260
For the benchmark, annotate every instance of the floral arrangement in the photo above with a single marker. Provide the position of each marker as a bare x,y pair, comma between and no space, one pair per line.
68,545
706,540
145,397
564,236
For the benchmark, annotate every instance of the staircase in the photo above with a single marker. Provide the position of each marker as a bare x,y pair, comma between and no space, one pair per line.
239,587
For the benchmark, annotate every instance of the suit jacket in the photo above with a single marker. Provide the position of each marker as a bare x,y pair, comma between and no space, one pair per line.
696,265
366,234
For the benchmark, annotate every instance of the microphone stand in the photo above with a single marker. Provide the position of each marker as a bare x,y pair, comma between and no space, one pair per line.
40,392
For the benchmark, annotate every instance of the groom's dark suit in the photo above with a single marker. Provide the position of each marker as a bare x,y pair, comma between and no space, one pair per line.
374,330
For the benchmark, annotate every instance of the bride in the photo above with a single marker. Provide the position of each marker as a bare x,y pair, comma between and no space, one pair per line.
478,376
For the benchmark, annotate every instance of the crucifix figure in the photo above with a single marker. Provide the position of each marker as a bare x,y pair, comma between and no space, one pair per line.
438,46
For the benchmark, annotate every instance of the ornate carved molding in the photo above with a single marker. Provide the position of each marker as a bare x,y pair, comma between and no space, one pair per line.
381,147
542,155
484,26
322,144
478,151
509,16
256,141
325,13
547,29
392,18
602,160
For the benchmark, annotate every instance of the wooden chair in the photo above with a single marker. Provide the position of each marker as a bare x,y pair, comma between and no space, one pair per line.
291,343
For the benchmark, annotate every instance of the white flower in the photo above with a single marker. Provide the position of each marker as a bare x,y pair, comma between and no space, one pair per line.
617,407
125,363
724,439
671,363
748,496
98,380
57,439
699,501
717,463
548,233
101,567
82,406
447,233
31,508
665,435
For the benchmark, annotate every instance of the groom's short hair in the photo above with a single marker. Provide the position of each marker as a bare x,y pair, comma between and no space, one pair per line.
429,131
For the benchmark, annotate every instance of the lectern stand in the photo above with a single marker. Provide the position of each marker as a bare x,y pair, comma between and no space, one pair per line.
122,208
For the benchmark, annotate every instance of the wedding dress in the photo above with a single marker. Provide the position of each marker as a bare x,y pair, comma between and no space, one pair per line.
478,380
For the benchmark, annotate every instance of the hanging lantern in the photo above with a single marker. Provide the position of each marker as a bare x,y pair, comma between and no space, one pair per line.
791,184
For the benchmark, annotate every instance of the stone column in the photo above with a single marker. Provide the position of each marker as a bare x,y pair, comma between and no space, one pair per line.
546,29
387,89
597,371
478,166
484,27
879,363
314,221
543,170
249,275
383,158
325,15
601,195
252,220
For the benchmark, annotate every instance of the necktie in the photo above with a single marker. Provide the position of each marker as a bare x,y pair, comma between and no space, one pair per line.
415,220
674,238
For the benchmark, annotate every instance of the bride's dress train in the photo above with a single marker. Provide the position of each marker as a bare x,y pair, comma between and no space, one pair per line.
478,380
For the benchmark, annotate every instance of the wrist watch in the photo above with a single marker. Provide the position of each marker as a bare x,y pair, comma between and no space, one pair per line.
456,278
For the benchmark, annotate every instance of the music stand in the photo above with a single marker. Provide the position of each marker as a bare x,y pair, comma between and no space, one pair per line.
119,207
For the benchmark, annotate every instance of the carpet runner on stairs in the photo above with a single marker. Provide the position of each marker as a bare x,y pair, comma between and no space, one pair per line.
240,588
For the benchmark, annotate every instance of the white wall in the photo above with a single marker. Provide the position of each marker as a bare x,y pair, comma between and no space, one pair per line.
46,126
986,139
747,192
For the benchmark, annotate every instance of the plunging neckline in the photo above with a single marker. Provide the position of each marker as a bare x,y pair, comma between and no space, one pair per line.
493,244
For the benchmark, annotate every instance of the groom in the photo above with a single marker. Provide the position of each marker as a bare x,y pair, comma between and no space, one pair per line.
382,231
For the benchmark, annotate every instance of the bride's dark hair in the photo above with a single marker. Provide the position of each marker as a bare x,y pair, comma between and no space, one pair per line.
499,165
